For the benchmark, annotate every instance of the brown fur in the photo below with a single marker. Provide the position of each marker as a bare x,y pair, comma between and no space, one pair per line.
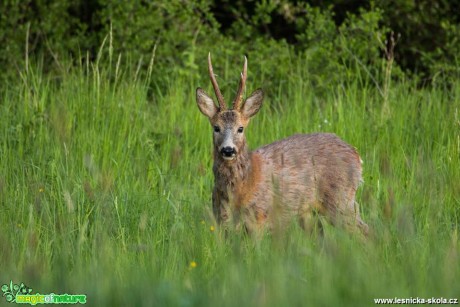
296,176
245,189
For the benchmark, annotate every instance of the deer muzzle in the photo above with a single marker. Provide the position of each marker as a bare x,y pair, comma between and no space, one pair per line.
227,148
228,153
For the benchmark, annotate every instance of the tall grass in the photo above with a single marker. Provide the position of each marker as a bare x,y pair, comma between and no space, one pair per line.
105,190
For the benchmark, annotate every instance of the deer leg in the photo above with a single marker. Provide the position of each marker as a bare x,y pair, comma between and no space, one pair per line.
347,217
359,222
310,222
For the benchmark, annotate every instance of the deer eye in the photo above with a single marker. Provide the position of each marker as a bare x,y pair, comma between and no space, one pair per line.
216,129
240,130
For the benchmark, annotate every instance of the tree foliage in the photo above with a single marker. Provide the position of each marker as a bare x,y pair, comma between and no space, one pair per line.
333,34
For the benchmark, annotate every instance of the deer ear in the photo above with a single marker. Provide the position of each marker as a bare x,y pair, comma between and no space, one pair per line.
253,103
205,103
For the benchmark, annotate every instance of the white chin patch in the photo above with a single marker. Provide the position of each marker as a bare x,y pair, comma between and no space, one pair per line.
229,158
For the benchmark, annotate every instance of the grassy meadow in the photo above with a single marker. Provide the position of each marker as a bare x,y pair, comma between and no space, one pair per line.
105,190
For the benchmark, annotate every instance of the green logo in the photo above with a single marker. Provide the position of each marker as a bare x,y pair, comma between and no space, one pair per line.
21,294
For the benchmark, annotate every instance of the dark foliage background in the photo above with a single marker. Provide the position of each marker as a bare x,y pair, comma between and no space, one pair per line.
332,34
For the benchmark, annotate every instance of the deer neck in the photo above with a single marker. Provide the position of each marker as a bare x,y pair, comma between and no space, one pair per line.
230,174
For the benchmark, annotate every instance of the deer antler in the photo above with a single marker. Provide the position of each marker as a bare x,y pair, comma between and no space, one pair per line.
239,95
220,98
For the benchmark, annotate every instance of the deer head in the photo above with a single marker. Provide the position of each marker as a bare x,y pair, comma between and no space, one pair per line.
229,124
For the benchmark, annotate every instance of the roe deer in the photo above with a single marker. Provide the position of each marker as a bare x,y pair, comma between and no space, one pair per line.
297,176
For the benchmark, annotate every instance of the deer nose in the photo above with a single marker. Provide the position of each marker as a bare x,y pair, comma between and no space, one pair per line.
228,151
